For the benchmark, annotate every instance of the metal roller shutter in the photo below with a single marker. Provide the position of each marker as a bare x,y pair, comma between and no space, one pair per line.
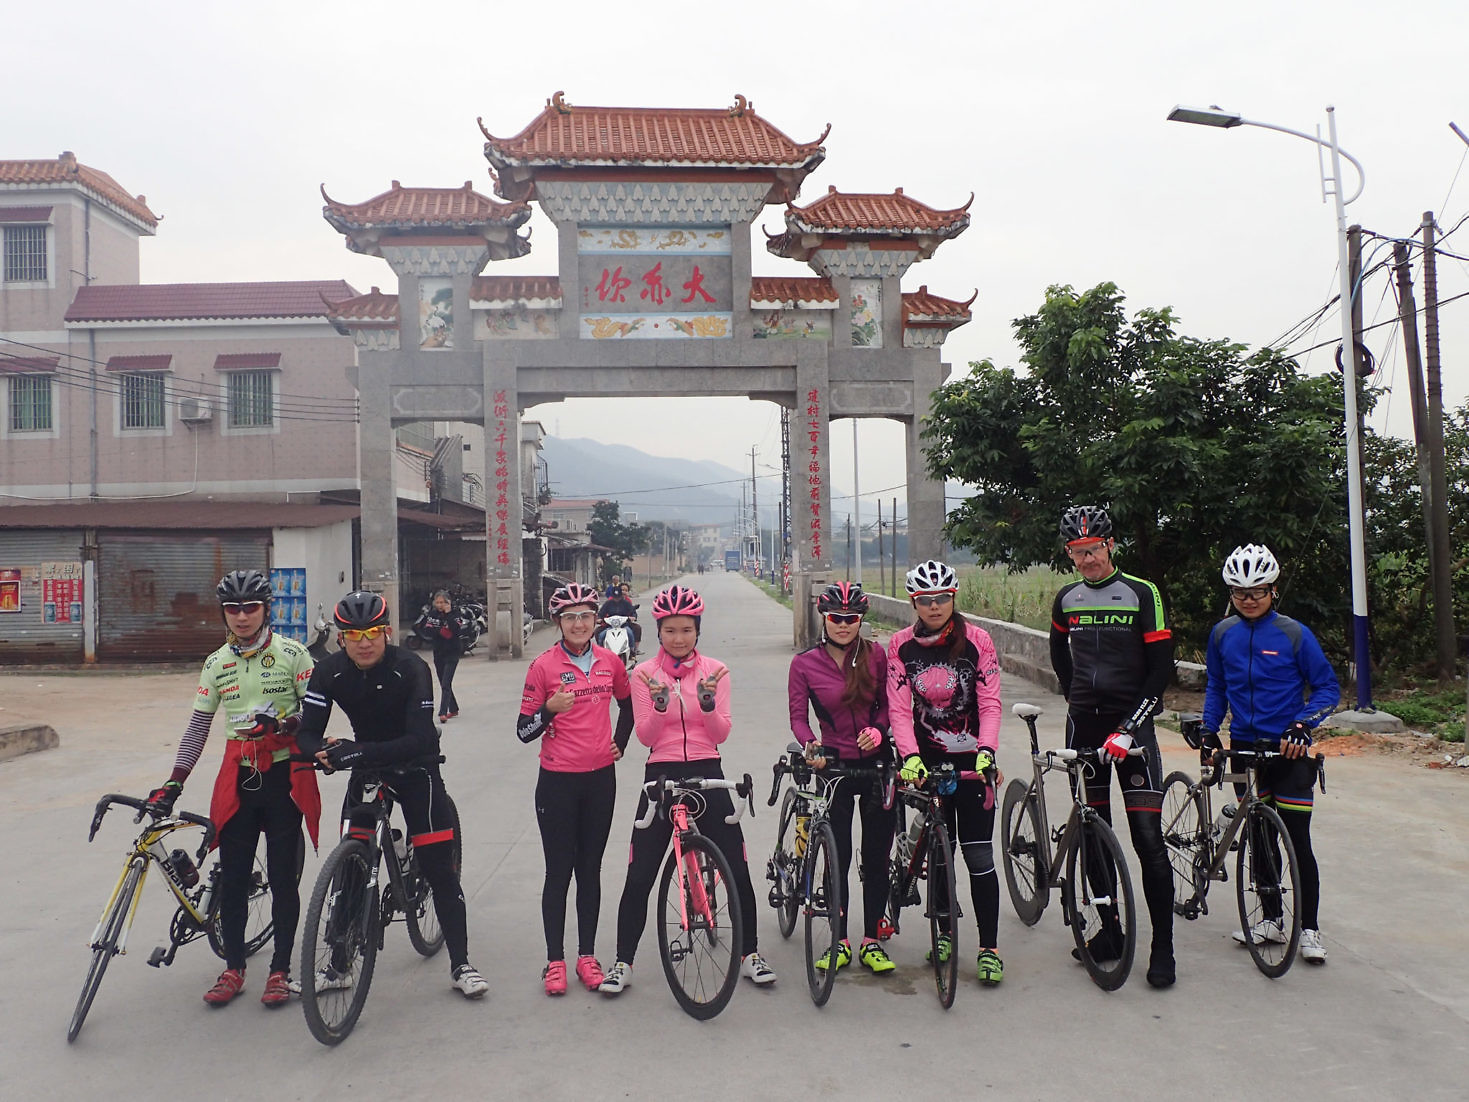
24,635
156,591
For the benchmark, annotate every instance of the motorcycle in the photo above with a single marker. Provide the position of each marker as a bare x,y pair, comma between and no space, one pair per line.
617,637
470,613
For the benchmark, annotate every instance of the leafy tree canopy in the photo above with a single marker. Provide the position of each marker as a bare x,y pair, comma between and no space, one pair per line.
625,540
1195,446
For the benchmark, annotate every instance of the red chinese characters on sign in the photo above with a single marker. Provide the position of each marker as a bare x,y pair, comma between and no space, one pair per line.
612,284
654,289
499,526
695,286
814,426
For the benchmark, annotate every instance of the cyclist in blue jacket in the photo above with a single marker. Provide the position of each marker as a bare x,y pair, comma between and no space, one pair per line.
1271,674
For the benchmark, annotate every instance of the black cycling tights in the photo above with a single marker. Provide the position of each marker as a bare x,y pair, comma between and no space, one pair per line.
574,811
436,862
877,842
265,808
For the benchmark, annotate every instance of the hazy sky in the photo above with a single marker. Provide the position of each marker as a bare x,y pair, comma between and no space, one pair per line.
228,119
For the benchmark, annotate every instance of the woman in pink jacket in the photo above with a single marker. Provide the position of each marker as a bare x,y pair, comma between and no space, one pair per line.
680,701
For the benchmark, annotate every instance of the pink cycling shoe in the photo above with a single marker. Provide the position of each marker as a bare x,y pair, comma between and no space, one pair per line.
555,977
589,971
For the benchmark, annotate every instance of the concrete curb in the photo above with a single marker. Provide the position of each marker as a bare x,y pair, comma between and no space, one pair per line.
22,739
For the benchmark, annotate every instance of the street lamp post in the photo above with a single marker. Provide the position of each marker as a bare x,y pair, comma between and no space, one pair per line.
1213,116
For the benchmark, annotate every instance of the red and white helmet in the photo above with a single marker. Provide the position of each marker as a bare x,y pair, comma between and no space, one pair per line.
573,594
677,600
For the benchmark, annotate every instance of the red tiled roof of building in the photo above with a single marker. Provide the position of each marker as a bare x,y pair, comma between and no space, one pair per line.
566,135
374,310
198,301
204,515
160,362
27,364
888,214
66,170
515,289
768,291
922,308
247,361
423,207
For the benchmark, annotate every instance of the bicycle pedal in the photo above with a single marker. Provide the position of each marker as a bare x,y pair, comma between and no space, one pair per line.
158,957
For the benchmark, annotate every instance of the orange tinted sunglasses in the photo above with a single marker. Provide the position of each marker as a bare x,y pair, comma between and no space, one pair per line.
353,635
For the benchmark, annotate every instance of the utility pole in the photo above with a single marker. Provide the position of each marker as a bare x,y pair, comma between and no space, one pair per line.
895,547
882,562
856,505
849,545
754,510
1351,380
1438,535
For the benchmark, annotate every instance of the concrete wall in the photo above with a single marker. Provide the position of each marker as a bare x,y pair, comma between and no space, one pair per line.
1023,651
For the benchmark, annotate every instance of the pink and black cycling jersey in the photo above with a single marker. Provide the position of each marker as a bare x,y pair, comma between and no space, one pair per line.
685,732
816,684
579,740
939,702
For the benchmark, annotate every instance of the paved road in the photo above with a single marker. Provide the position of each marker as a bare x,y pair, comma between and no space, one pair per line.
1386,1016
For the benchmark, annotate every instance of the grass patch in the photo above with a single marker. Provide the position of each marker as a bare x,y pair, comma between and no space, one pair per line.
1432,710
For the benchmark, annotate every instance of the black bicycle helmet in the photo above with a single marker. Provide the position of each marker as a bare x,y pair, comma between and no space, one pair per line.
361,609
842,597
243,585
1085,522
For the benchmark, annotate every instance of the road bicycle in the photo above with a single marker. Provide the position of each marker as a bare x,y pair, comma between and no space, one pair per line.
924,851
1083,858
197,914
700,927
804,870
1265,882
347,917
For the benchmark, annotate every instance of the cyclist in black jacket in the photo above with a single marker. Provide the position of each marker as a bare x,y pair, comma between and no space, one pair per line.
1112,652
445,628
388,696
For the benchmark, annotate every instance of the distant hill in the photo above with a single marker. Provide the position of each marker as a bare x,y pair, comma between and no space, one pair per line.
653,487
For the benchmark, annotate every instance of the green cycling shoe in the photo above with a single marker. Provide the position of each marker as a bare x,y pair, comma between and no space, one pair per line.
874,959
843,954
946,950
991,967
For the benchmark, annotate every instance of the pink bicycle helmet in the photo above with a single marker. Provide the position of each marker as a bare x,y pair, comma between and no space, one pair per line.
843,597
573,594
677,600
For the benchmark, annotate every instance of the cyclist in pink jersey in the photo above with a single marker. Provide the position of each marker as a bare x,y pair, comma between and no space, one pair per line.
681,708
944,706
565,703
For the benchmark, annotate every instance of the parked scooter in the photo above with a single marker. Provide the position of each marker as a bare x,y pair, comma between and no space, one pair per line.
322,645
471,613
617,637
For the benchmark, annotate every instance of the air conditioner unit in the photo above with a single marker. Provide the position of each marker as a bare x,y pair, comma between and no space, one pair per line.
195,410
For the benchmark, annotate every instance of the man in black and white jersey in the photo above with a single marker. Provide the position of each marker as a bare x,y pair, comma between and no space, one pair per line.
388,695
1112,652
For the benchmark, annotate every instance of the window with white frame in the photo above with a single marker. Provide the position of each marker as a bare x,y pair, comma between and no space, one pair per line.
30,403
25,254
142,401
251,399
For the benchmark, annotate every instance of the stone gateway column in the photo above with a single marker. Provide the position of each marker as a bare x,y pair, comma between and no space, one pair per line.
504,504
376,446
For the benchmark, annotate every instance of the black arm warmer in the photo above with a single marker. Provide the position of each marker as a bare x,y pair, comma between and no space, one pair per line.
529,728
624,723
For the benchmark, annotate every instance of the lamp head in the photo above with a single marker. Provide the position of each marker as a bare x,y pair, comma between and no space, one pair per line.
1212,115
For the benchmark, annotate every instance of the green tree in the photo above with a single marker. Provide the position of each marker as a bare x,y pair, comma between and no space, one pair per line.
624,540
1195,446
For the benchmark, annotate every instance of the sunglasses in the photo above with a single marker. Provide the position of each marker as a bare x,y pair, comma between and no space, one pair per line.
1258,593
928,600
354,635
577,617
234,608
1081,554
844,617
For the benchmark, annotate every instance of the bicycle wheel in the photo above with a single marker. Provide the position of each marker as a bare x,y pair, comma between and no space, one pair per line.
1097,895
1026,874
821,886
424,930
943,914
699,928
105,947
783,868
339,944
1266,885
259,919
1184,827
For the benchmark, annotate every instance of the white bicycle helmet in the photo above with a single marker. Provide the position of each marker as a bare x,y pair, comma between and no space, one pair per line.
1250,565
932,577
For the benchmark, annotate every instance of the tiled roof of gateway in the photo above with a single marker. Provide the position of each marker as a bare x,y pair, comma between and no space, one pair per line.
199,301
515,289
767,291
567,135
65,170
922,308
893,213
373,310
422,208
